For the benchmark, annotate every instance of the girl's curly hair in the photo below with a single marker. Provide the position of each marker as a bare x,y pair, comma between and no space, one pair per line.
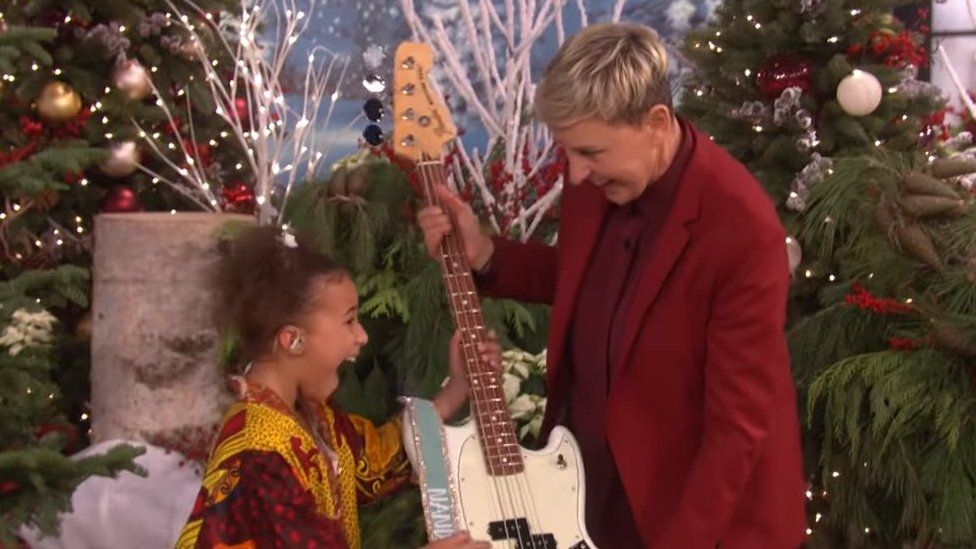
264,282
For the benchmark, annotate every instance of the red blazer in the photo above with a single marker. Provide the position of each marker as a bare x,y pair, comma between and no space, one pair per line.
702,420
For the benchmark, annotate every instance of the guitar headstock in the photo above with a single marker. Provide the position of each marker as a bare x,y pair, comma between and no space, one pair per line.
421,122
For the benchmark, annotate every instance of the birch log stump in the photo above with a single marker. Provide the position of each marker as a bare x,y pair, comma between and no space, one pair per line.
154,342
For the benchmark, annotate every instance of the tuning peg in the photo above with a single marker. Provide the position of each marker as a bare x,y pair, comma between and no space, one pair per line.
373,108
407,141
424,121
408,89
407,63
373,135
407,114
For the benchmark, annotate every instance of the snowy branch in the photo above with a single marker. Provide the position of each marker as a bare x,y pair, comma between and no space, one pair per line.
279,139
484,51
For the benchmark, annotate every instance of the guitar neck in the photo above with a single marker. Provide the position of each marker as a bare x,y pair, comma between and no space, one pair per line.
497,433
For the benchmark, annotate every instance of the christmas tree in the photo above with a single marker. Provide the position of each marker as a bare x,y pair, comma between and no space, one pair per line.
819,99
83,106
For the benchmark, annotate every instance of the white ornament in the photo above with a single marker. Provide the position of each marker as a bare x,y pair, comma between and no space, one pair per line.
859,93
122,161
133,79
793,252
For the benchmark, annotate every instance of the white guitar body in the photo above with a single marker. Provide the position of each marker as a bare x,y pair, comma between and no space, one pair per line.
551,489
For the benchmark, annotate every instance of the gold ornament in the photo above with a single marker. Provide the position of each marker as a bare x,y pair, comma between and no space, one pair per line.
58,102
122,161
133,79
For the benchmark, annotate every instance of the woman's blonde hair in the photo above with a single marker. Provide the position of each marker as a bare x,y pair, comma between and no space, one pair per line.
614,72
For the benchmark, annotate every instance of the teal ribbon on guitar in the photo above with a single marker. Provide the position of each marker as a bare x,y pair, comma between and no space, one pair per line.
434,479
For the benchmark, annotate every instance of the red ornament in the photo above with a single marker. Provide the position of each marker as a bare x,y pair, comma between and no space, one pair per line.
68,432
784,71
241,110
8,486
121,199
238,197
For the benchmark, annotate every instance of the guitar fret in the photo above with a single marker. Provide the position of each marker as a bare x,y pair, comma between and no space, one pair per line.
496,430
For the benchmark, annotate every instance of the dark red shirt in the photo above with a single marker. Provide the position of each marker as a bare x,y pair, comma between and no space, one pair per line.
626,243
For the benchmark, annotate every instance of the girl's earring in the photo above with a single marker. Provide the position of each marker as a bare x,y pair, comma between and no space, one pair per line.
297,345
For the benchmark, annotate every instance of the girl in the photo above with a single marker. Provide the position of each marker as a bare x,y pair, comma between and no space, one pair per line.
288,470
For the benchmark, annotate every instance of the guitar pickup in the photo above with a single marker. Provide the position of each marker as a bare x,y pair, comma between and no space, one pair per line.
509,529
518,530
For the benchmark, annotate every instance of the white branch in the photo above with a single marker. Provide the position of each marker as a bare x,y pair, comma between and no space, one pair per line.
276,138
618,9
963,93
496,39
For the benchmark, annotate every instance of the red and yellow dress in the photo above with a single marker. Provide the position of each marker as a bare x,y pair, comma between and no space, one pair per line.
269,482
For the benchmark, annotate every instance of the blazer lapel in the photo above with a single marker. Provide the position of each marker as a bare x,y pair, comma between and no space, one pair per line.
670,244
577,239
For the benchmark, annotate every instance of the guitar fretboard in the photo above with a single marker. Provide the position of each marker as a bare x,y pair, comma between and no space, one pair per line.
497,433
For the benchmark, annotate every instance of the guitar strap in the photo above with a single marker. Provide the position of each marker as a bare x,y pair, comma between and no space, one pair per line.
432,470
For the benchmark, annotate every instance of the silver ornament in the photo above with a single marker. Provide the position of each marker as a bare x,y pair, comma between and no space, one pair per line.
122,161
133,79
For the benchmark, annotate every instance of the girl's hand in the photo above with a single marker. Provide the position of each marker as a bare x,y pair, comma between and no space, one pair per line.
453,395
461,540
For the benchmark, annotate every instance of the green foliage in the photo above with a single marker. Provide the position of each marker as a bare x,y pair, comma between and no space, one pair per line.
51,188
900,431
36,478
394,522
41,479
885,372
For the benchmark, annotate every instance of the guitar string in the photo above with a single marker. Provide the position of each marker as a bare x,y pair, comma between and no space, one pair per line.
516,483
475,386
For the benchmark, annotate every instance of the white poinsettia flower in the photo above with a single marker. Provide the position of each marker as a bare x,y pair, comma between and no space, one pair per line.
510,355
532,427
27,329
512,385
514,364
522,407
13,340
521,369
541,361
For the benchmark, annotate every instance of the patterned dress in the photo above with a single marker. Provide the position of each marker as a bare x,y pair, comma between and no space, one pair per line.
269,482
